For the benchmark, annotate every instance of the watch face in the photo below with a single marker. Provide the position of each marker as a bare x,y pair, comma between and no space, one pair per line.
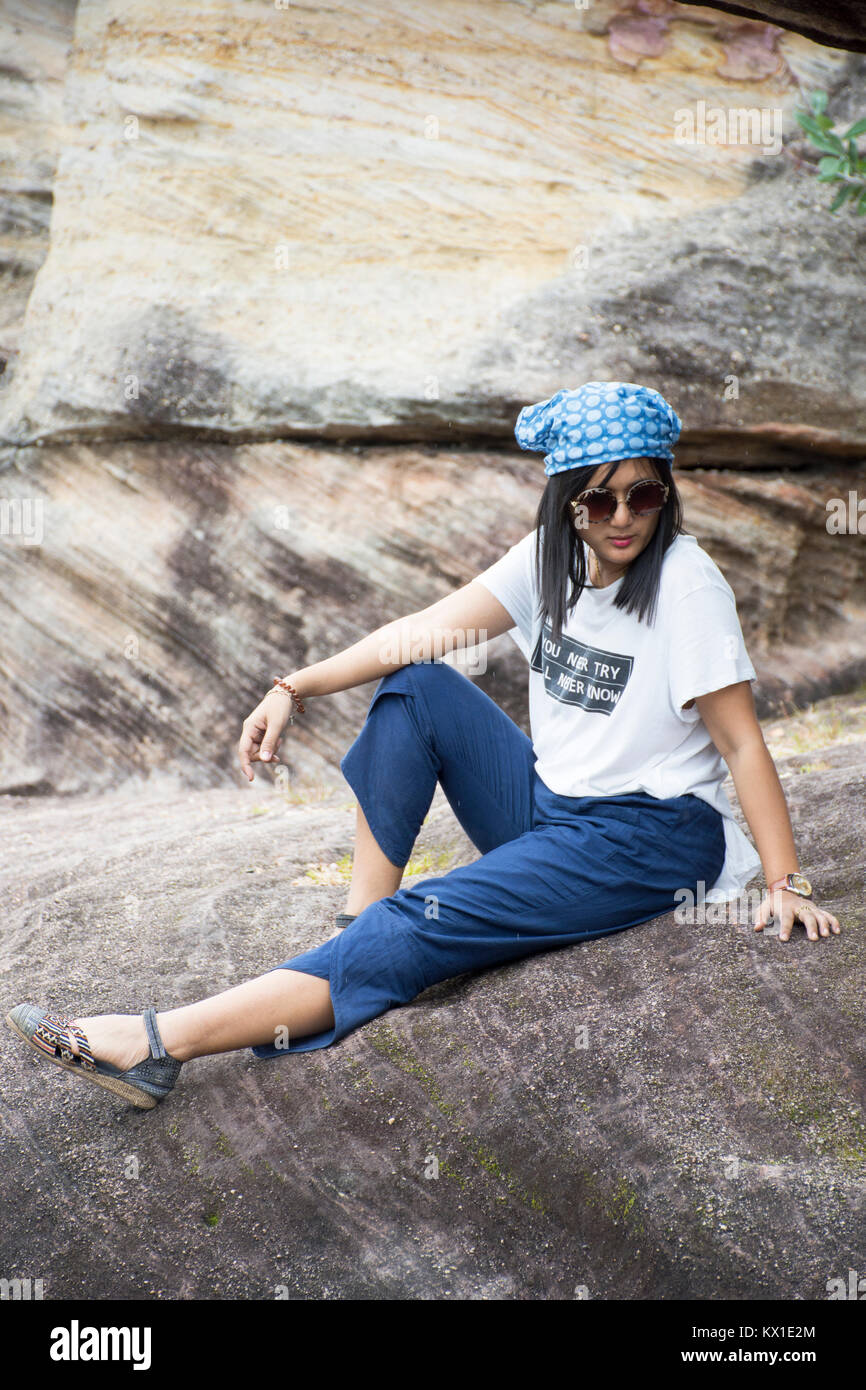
801,884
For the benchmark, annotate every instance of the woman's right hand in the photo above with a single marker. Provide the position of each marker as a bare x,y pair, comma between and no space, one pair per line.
262,731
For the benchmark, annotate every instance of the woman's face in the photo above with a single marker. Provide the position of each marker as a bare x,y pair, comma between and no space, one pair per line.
601,536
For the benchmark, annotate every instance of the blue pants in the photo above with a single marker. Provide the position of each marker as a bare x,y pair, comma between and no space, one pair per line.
553,870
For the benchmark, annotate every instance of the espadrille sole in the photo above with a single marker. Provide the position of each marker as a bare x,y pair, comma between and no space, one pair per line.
110,1083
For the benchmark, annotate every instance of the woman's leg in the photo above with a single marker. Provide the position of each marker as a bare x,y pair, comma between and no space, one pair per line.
427,723
373,874
588,867
271,1009
446,730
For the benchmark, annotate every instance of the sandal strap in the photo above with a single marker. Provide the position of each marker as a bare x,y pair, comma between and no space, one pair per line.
50,1033
54,1031
157,1050
85,1052
57,1020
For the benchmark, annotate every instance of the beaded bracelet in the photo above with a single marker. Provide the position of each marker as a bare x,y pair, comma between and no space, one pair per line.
287,689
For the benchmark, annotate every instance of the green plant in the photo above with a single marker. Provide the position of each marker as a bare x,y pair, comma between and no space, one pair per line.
428,863
326,875
841,163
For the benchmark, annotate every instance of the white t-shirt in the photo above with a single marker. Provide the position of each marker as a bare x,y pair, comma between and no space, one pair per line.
605,702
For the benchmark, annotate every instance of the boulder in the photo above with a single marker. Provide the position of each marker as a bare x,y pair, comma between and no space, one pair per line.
671,1112
152,591
256,235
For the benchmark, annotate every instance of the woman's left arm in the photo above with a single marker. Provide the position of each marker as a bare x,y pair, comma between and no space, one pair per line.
732,724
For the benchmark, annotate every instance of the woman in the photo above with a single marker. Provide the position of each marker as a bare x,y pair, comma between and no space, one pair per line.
612,814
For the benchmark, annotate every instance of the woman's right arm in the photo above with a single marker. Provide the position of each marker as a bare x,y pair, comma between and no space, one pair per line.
463,618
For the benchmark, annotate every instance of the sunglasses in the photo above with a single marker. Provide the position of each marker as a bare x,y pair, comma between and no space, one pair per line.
599,503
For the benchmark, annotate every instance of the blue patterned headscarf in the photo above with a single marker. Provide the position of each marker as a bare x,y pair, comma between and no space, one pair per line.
597,423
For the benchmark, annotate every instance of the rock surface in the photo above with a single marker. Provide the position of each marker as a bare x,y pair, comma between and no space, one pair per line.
704,1138
842,24
35,36
163,585
331,224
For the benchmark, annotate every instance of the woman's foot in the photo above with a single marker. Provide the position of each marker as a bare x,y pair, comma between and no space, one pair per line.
120,1039
133,1066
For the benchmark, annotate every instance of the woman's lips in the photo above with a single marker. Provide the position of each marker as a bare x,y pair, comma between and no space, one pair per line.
621,543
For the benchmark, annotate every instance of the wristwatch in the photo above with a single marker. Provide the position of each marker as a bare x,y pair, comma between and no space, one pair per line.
796,883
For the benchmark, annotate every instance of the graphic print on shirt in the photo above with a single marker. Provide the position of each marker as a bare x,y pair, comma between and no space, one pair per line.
576,674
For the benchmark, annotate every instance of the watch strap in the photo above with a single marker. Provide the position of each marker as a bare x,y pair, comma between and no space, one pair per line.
785,882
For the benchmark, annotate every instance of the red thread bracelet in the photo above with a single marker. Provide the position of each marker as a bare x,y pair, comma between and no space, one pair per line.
282,684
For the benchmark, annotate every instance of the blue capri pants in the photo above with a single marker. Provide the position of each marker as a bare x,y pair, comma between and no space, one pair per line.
553,870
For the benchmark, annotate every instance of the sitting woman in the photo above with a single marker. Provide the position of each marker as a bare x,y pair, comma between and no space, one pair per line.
639,690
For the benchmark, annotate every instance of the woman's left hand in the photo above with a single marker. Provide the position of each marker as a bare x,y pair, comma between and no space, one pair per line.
786,906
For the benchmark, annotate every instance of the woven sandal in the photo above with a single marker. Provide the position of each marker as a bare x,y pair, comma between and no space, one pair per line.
143,1085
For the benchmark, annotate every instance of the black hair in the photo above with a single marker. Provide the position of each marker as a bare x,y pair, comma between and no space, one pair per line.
560,557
